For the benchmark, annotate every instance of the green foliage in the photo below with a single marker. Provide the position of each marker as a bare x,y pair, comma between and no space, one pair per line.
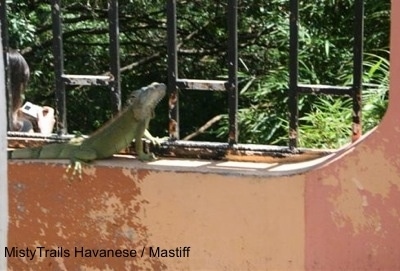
325,57
328,124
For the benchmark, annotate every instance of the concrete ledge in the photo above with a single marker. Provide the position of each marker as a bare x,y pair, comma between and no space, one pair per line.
226,220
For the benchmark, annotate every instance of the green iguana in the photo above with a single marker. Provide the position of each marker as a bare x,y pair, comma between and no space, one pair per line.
131,123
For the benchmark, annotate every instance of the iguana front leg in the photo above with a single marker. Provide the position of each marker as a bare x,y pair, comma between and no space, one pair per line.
154,140
142,156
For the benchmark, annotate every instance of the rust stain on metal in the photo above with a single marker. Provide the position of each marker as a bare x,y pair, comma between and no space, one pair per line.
292,133
173,98
232,137
357,131
172,128
173,124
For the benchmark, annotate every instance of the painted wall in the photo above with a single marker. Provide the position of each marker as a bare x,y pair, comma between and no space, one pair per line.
341,214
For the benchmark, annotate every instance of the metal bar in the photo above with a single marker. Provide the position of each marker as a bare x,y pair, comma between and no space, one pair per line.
173,102
197,84
358,68
293,74
59,67
4,214
238,152
232,86
4,42
87,80
33,136
324,89
115,85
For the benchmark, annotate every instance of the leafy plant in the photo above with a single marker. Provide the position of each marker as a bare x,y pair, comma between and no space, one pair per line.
328,124
376,86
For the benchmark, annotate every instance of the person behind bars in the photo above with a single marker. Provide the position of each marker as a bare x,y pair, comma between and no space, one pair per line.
19,77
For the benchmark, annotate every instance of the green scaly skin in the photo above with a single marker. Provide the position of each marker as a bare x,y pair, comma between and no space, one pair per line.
116,135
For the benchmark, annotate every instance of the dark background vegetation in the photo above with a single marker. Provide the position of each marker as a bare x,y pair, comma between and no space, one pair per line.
326,29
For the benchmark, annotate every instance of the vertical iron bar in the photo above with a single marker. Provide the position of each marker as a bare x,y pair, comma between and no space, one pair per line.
173,102
59,67
4,42
293,74
115,85
232,87
358,68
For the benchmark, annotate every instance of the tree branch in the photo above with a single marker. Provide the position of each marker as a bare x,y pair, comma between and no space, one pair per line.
203,128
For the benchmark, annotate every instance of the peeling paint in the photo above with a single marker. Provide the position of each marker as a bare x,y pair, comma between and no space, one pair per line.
89,170
99,212
353,205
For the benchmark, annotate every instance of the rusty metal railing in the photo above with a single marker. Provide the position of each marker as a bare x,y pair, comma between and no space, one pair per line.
295,88
175,83
62,79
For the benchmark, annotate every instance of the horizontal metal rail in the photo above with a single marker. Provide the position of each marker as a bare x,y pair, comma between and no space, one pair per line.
197,84
87,80
324,89
237,152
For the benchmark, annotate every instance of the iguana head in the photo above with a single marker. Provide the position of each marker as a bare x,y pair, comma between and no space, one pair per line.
143,101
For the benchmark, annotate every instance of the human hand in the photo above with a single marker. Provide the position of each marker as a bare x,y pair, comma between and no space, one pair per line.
46,120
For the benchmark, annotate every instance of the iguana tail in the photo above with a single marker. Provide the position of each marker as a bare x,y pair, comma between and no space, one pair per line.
27,153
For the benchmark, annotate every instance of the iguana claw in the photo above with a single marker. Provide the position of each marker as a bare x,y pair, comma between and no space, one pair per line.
77,169
156,141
